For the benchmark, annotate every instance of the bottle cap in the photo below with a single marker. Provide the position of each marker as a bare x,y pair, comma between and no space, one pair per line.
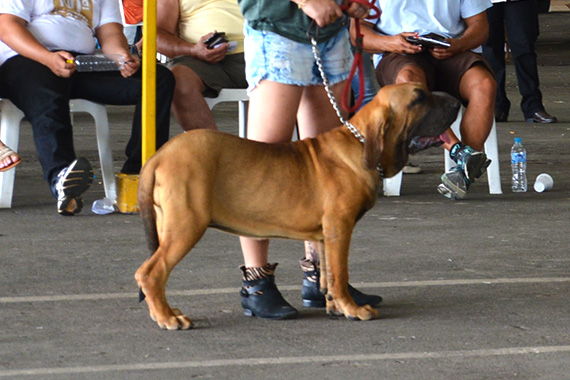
518,140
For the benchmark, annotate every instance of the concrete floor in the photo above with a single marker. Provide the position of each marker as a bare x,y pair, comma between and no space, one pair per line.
476,289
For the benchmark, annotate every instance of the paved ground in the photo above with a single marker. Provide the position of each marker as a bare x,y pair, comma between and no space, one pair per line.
476,289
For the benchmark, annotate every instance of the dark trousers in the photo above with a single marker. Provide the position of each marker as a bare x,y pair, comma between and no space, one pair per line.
44,99
520,20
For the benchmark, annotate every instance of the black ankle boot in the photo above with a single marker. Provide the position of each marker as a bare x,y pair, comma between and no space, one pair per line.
312,296
262,299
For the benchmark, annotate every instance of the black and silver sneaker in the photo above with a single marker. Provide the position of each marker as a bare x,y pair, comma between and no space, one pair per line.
473,162
471,165
454,183
71,182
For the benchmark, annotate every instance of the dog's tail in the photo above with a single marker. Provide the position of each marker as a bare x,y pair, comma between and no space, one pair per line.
146,206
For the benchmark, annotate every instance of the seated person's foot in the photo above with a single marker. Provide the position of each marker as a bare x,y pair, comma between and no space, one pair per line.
454,183
542,117
8,158
473,163
70,183
312,296
412,169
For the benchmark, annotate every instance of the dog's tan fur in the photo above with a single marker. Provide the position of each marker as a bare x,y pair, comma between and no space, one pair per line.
315,189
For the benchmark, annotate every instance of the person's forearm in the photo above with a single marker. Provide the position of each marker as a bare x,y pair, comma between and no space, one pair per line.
112,39
167,24
372,42
13,32
476,33
173,46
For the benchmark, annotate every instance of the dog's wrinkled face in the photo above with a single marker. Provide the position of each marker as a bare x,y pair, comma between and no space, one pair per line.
411,119
429,130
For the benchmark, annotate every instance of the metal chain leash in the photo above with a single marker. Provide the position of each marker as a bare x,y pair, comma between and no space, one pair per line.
334,103
330,94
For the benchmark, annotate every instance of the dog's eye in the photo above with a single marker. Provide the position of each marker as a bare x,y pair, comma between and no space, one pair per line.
420,98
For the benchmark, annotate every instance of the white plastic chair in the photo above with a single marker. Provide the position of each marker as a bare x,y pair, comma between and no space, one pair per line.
233,95
238,95
393,185
10,119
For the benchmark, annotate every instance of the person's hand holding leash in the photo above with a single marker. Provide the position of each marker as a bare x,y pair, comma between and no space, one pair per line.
357,10
324,12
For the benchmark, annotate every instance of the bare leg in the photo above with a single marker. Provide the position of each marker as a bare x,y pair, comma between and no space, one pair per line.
271,118
315,116
478,88
188,104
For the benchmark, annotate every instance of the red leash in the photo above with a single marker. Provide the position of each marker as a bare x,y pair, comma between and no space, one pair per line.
358,63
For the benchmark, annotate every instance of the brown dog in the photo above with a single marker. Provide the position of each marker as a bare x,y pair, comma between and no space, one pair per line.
315,189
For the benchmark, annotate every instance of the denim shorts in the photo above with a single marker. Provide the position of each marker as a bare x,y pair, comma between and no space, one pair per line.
279,59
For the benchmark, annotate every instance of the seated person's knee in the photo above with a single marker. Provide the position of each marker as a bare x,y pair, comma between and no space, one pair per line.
483,83
411,73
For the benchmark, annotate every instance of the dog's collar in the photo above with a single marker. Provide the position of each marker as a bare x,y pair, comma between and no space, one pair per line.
362,139
355,132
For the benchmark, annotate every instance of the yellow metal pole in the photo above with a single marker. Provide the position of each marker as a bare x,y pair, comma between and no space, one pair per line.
149,80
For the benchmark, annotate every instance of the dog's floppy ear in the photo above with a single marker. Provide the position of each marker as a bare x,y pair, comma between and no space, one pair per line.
374,144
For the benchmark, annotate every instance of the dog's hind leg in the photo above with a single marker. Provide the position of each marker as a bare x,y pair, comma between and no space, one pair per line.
152,277
174,243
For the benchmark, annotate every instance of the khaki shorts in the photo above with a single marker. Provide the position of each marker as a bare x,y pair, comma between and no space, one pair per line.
228,73
442,75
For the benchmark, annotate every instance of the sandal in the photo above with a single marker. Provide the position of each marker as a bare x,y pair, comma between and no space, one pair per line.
6,152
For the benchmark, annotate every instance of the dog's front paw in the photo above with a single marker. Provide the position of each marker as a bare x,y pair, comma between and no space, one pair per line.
332,309
178,321
352,311
363,313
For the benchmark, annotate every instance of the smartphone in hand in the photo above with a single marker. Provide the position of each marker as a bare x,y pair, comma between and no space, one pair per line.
429,40
215,39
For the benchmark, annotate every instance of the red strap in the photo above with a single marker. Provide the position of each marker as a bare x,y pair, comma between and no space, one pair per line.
358,63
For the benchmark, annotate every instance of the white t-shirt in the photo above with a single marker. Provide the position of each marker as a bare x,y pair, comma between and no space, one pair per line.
444,17
61,24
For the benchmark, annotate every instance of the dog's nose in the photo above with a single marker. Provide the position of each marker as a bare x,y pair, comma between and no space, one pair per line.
448,100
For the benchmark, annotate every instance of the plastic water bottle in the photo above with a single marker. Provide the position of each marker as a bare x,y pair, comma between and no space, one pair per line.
103,206
99,62
518,163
